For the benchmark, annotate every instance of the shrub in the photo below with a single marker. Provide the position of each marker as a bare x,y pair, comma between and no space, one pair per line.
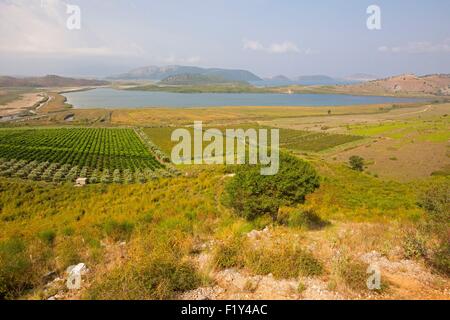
301,287
436,201
68,252
356,163
105,178
156,277
140,177
149,174
94,178
15,268
414,245
117,178
251,194
84,172
299,218
21,173
68,231
128,176
353,273
72,175
227,254
441,258
47,236
284,260
58,177
118,231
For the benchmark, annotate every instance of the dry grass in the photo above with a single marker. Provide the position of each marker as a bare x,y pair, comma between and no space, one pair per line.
166,116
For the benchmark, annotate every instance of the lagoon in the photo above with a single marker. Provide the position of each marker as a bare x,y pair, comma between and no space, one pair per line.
113,98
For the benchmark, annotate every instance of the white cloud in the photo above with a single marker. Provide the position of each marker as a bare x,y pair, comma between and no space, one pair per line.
419,47
39,27
284,47
253,45
275,48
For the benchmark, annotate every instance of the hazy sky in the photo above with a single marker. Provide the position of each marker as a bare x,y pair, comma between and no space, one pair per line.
267,37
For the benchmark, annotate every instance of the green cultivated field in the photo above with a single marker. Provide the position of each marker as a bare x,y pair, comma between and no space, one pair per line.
431,130
102,154
295,140
299,140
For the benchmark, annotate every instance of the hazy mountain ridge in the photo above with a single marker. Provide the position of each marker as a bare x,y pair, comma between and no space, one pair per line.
48,81
305,80
312,80
160,73
197,79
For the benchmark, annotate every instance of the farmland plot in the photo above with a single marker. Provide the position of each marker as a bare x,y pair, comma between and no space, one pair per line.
295,140
100,154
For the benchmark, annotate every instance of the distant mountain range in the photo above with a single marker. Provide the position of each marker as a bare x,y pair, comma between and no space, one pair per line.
161,73
321,80
197,79
185,75
48,81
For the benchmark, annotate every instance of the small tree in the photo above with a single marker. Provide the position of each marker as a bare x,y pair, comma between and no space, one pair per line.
252,195
356,163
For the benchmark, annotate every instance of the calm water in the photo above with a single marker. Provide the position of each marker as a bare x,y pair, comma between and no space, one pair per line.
111,98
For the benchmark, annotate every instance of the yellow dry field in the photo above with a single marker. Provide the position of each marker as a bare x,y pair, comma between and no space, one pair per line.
166,116
406,162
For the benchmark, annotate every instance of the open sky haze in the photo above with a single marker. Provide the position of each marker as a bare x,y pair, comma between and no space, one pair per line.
267,37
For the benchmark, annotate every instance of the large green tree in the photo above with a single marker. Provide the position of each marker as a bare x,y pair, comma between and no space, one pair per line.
251,194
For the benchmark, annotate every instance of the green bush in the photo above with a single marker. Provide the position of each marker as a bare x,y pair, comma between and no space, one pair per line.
227,254
356,163
283,261
299,218
414,245
47,236
251,194
68,253
157,277
352,273
15,268
436,201
441,258
118,231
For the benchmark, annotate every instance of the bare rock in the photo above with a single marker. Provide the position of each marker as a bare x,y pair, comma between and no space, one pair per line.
77,268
